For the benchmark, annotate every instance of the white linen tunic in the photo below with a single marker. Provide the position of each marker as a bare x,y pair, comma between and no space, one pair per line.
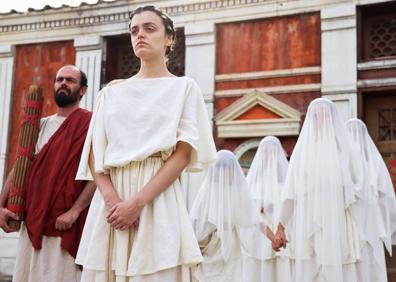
134,129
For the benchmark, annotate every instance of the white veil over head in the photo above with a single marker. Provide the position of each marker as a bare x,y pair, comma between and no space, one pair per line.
320,187
266,177
223,202
377,202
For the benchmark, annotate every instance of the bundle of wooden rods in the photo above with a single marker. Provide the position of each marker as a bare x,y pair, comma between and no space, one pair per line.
28,135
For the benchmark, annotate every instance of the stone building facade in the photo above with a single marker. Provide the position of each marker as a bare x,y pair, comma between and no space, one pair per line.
259,63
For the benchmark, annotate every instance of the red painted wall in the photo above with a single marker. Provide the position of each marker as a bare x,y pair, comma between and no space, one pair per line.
263,45
36,64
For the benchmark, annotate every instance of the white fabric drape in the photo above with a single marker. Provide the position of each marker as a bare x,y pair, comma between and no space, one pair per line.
223,205
266,179
377,192
375,206
320,188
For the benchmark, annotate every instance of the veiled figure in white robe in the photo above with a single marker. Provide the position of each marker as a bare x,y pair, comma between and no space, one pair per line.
266,178
222,207
375,206
134,130
320,187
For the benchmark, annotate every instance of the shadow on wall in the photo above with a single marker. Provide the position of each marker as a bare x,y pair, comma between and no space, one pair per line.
5,277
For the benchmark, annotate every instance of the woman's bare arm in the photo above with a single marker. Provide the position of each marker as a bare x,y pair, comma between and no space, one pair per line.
104,184
124,214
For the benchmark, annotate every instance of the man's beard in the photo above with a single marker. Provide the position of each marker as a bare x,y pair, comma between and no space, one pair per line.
63,99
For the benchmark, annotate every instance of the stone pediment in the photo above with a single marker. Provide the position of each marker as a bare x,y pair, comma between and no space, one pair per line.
258,114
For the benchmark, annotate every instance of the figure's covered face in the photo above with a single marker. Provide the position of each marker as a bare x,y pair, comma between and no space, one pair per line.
268,149
270,156
320,120
225,167
358,131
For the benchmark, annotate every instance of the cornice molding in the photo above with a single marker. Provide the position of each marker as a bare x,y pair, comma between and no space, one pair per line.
70,22
282,89
280,73
66,23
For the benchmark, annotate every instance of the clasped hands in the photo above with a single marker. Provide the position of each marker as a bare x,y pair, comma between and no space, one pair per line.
278,239
124,214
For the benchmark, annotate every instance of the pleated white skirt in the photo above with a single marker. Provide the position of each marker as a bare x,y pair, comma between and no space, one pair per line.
162,248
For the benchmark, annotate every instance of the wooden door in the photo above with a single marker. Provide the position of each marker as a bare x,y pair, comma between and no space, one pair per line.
380,116
36,64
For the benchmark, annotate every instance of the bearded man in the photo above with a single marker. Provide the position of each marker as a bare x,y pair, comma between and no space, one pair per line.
56,203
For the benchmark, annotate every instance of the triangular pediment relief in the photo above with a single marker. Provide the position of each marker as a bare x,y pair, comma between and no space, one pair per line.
260,104
258,114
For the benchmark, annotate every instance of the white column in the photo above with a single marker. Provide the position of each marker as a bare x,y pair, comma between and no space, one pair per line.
200,65
89,60
200,57
339,57
8,242
6,78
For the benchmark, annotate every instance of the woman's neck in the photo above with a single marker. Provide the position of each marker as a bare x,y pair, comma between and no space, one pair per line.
153,68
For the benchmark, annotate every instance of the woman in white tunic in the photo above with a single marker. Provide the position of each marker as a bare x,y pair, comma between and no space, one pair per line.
223,205
376,206
266,179
145,130
320,187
